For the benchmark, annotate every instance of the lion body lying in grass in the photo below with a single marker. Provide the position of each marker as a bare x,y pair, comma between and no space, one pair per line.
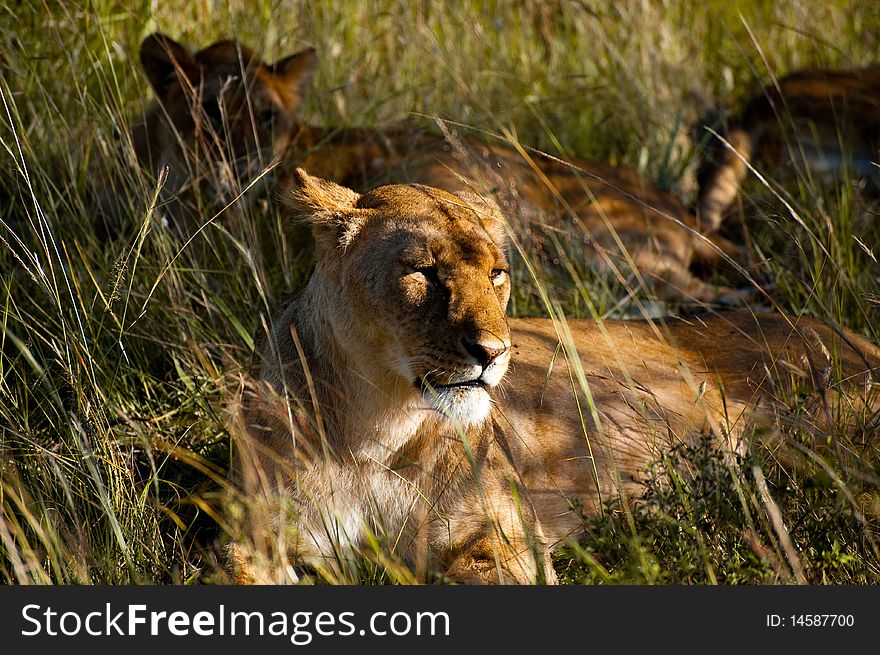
382,421
823,120
223,114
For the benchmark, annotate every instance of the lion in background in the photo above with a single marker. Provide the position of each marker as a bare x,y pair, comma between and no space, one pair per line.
825,120
395,404
222,115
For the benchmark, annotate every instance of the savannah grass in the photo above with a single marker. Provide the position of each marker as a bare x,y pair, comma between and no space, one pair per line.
122,345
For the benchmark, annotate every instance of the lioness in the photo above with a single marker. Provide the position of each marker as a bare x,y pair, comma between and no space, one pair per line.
826,120
383,415
222,114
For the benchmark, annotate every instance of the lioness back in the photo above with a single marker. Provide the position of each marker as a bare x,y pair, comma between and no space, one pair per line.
656,384
826,120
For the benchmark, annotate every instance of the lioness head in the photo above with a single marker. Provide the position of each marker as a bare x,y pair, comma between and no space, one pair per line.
220,107
419,284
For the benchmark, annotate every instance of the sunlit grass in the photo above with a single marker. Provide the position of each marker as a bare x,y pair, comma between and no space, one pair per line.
120,349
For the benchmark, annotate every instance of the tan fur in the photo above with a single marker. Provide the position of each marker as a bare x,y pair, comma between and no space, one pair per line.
615,209
339,440
822,119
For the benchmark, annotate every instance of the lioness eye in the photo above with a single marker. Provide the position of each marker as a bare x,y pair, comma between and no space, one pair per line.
266,117
427,272
213,112
498,276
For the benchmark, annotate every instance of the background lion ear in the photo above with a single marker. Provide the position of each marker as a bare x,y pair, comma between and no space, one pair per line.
164,60
489,212
295,73
329,208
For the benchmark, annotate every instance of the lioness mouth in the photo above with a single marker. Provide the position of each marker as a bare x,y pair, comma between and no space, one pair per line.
466,384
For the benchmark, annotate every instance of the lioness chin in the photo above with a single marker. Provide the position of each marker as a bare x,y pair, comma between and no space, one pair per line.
383,419
222,114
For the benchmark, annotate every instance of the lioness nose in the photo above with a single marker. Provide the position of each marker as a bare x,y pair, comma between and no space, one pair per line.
484,353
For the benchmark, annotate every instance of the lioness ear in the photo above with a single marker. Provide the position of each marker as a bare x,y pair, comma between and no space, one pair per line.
295,72
164,60
490,214
329,208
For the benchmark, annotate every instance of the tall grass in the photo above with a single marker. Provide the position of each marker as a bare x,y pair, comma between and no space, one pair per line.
119,351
